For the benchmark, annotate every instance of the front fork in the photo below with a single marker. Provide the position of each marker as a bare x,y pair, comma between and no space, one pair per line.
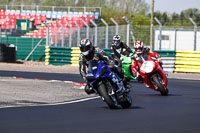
117,82
160,79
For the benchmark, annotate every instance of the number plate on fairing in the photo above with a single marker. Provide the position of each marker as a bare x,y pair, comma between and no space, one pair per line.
147,66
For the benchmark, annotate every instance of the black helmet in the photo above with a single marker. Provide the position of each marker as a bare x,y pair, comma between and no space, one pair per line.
116,40
85,46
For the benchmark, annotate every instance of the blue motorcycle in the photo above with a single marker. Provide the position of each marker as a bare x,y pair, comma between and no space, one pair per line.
108,85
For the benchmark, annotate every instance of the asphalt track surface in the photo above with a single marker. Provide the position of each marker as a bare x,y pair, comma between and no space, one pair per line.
150,113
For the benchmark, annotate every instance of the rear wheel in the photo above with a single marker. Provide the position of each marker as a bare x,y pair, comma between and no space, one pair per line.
160,85
107,98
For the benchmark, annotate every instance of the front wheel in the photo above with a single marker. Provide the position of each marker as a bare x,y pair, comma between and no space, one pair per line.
161,87
104,94
126,102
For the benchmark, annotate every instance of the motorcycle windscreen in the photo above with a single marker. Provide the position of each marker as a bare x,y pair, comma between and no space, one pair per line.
93,65
127,60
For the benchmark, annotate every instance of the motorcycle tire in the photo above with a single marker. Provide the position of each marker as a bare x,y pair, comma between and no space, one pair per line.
126,102
103,93
161,87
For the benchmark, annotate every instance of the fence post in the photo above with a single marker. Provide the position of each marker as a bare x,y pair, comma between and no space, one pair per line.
84,8
47,35
195,33
70,34
175,39
53,7
56,33
87,34
62,43
22,7
106,40
78,33
95,32
116,24
133,37
37,8
160,35
68,9
127,30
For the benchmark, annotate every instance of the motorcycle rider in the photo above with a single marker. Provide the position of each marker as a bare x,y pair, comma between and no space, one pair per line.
117,48
89,52
140,50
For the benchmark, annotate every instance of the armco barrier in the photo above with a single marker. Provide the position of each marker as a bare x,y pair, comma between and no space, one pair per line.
187,61
168,58
57,55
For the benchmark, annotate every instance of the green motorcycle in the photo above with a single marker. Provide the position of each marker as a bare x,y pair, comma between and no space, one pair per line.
126,67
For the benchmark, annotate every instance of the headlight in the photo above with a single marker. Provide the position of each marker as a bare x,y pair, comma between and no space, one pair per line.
90,77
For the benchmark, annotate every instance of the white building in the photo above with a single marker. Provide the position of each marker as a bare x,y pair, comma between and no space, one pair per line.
176,39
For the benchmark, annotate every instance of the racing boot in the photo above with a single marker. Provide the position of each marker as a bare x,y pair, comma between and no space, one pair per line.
139,79
126,84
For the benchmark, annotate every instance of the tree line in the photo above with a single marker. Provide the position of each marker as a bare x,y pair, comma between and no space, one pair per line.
136,10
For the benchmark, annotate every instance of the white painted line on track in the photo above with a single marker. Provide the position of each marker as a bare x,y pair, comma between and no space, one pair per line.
183,78
82,87
52,104
54,81
68,81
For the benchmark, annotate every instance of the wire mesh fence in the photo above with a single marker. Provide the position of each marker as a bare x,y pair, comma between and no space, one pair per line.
170,38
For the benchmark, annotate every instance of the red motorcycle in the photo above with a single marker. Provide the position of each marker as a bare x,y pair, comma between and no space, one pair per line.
151,73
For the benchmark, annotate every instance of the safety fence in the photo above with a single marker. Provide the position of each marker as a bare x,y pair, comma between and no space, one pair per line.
187,61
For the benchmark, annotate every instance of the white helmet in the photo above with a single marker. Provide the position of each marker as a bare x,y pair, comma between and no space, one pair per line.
116,40
139,47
